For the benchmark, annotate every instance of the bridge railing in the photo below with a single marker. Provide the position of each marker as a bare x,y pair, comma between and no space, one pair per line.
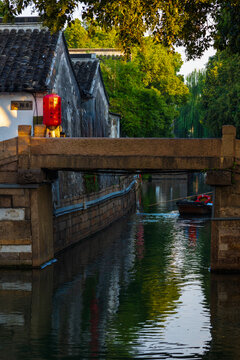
31,154
130,154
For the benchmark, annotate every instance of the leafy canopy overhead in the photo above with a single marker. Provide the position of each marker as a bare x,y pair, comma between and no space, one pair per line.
146,90
195,24
84,35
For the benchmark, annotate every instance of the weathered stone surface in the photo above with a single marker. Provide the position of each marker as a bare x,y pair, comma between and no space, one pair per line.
73,227
225,246
31,176
9,161
23,161
227,201
128,163
228,141
129,154
11,166
12,214
8,149
12,191
24,130
24,151
237,149
25,256
219,178
229,130
15,230
26,241
21,263
16,248
127,146
41,225
40,130
5,202
8,177
21,201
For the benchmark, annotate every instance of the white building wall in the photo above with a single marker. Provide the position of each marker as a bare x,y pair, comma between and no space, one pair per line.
10,119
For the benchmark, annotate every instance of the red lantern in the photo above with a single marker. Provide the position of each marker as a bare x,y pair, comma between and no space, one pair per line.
52,110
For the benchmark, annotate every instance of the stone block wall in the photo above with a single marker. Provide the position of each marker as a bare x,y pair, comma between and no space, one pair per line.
75,226
25,226
29,236
15,227
225,242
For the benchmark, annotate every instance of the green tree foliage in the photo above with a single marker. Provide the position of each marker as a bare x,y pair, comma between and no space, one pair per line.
146,90
2,9
76,35
227,36
190,120
221,92
195,24
79,35
222,87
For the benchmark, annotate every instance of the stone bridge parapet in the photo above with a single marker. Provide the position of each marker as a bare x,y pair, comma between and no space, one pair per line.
29,164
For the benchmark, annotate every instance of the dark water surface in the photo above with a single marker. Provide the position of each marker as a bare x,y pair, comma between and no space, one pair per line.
139,290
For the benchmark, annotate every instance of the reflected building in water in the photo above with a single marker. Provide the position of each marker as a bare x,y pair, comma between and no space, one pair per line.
67,307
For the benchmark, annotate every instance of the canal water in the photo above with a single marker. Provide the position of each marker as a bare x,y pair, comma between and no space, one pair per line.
141,289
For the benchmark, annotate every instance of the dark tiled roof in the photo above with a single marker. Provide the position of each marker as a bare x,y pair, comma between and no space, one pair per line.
25,59
85,72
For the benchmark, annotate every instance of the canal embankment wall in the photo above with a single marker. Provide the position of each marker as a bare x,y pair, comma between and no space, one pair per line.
94,213
30,233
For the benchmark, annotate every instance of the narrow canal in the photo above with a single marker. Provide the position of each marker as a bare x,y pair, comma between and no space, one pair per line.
141,289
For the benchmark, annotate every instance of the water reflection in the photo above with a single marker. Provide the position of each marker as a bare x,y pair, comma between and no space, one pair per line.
225,317
139,290
162,193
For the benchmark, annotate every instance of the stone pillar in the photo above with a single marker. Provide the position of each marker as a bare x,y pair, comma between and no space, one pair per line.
41,225
225,237
40,130
40,200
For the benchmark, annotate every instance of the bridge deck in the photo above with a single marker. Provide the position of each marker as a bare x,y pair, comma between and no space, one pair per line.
127,154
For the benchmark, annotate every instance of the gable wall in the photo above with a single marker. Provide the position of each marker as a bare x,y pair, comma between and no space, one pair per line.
63,82
95,120
101,109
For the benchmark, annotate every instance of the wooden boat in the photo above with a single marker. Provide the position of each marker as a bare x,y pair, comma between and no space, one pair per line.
201,206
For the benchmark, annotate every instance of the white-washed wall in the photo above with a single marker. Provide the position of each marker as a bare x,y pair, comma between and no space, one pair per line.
10,119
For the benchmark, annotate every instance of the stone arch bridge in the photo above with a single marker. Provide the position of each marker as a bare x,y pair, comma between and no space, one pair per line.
30,163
